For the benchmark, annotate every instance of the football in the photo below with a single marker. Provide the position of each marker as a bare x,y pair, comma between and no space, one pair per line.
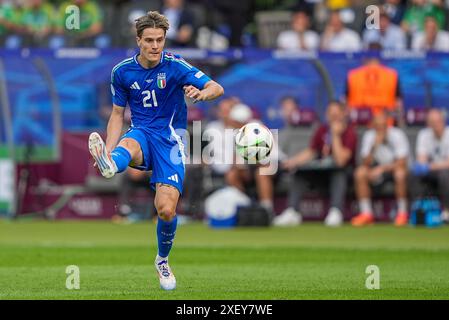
254,142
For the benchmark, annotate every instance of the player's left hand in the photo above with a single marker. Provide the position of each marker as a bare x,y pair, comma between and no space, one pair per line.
193,93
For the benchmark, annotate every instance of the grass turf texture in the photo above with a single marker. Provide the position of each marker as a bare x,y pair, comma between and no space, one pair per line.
306,262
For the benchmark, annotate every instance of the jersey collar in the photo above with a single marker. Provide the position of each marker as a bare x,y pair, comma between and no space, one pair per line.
137,62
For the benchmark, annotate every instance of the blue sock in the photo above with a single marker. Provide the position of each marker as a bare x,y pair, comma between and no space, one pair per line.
165,235
121,157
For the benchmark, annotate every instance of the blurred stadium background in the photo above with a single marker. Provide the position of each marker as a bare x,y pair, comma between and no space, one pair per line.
55,90
55,87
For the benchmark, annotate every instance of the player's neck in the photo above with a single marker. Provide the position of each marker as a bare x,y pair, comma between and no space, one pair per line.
147,64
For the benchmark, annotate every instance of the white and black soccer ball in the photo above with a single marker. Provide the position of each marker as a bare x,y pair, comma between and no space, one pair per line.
254,142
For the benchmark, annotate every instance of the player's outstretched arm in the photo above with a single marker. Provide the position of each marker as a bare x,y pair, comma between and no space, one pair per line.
115,126
211,91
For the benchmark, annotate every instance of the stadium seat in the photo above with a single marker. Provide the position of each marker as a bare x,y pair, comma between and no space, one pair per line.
416,116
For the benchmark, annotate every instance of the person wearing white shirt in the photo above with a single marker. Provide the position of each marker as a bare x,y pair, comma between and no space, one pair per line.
337,38
223,160
389,36
300,37
431,169
221,142
432,38
385,154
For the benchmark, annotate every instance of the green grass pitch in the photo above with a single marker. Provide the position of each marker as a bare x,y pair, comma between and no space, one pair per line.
306,262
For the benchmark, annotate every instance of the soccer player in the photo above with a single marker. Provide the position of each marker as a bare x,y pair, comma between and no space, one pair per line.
153,83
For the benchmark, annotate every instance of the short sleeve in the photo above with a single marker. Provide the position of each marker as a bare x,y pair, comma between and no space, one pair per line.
284,41
401,147
119,93
421,143
367,143
190,75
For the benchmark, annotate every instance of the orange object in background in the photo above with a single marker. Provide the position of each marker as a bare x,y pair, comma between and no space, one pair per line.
373,86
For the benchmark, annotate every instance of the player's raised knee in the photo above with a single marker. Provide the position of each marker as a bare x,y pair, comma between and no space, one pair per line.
166,212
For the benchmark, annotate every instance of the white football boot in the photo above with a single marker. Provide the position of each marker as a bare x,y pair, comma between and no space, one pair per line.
334,218
98,151
167,279
289,217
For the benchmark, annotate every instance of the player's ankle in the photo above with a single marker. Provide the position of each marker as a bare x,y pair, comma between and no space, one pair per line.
159,258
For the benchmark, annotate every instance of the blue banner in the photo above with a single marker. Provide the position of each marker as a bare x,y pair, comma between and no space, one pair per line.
259,77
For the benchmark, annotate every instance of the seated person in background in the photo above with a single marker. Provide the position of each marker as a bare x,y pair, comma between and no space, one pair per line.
376,87
337,38
217,127
388,37
91,24
300,37
37,21
182,28
241,175
290,115
432,38
10,24
334,145
384,152
431,168
418,10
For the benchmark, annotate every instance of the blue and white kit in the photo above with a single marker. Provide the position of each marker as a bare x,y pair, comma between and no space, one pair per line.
158,111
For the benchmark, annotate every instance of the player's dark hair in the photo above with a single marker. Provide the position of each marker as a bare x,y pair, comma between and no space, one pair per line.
152,19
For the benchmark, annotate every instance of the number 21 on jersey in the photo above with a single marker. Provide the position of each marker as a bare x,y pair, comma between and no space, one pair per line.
148,95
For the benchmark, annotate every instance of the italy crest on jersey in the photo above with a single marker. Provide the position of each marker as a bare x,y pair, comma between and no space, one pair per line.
161,80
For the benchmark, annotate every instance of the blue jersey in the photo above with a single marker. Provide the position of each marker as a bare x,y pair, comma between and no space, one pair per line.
155,95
